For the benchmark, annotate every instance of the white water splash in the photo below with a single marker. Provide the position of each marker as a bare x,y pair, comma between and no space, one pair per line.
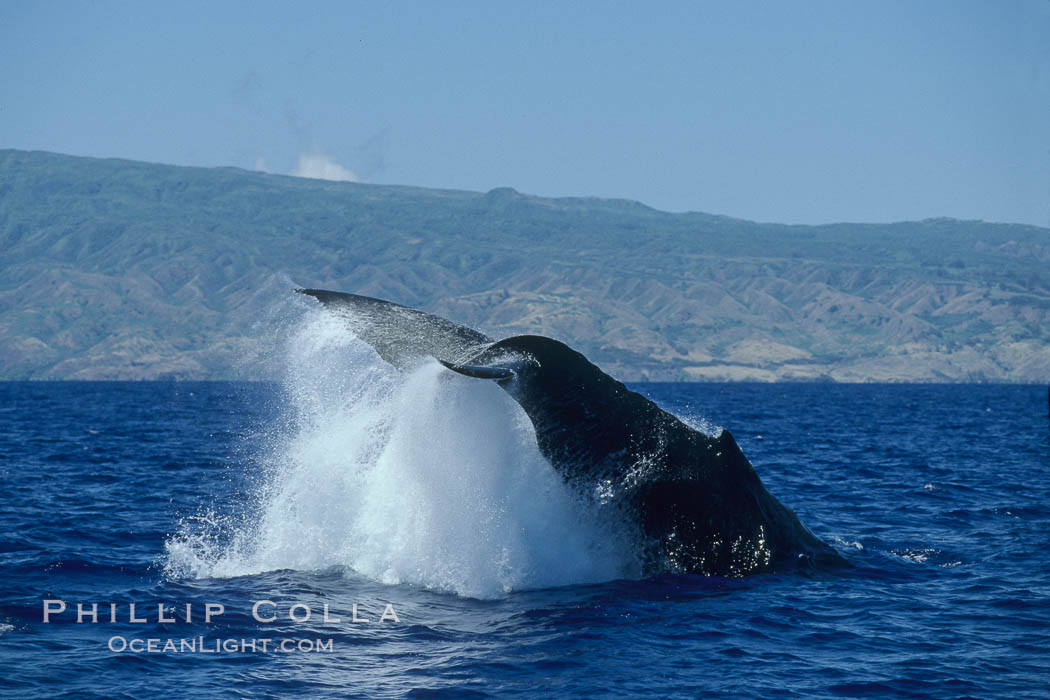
427,478
702,425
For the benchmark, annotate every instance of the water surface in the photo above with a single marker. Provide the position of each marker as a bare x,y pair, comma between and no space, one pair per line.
234,493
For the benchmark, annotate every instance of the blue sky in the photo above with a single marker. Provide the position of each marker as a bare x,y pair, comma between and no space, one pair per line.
807,112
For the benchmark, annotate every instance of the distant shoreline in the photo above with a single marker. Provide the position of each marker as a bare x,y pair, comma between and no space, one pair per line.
627,382
120,269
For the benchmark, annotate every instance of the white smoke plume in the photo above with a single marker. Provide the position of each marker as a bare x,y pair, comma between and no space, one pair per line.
321,166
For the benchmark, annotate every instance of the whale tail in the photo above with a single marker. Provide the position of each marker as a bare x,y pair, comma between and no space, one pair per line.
480,371
697,500
401,335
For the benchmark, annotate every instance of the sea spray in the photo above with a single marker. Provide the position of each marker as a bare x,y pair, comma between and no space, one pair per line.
425,478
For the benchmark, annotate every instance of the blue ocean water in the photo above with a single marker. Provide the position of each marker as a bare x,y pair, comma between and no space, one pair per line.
232,493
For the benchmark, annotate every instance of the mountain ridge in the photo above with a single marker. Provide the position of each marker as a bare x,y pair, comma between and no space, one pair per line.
120,269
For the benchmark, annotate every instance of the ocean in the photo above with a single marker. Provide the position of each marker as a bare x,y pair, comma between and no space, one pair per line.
285,511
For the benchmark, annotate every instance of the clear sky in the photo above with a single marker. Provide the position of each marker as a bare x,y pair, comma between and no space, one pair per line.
799,112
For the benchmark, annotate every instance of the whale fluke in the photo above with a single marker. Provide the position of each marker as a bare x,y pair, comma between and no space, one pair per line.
401,335
695,500
480,371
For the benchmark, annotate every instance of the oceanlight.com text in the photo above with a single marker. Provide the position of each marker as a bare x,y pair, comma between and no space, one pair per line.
199,645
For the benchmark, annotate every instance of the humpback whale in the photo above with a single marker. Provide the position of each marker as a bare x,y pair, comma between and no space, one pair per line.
695,500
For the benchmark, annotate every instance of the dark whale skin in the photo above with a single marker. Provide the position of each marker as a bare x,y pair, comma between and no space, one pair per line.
695,501
699,503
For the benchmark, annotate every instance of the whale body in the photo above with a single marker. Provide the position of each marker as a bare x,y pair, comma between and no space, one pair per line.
695,500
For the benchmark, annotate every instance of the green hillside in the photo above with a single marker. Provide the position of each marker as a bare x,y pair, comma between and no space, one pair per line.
120,269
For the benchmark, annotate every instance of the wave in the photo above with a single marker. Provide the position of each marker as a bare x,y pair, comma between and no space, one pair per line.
424,478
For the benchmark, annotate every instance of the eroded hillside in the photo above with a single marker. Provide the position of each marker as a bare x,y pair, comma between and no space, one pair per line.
119,269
